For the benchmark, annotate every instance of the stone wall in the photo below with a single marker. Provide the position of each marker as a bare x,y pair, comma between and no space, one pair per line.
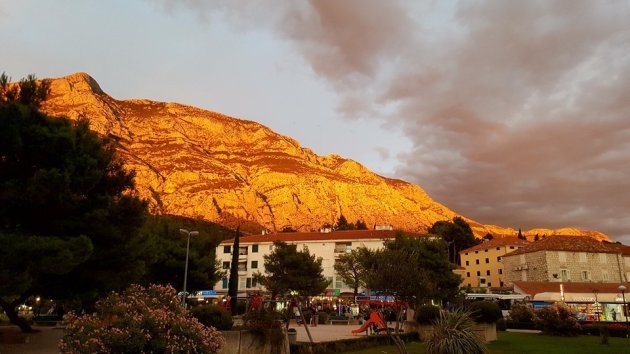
246,342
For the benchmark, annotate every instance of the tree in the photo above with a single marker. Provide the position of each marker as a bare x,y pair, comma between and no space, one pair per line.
412,270
361,225
68,219
292,273
457,234
348,267
233,284
168,248
488,236
342,224
536,238
520,234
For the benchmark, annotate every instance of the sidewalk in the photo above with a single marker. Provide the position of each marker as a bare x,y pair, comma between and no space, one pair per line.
327,333
42,342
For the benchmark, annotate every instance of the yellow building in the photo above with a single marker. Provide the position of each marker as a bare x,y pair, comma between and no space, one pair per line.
483,262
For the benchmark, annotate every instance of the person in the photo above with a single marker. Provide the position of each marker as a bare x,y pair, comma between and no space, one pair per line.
613,313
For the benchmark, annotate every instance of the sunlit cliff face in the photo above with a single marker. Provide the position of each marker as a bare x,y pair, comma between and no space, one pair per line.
198,163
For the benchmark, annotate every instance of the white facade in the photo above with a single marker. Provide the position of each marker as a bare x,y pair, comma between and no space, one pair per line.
251,255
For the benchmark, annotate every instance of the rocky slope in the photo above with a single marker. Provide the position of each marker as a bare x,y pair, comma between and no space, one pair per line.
202,164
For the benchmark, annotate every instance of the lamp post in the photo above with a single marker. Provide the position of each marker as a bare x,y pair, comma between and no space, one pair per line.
595,292
622,288
188,234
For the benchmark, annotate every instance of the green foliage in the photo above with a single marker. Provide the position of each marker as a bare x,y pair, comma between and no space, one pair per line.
485,312
522,313
168,250
427,314
323,317
213,315
342,224
411,269
348,267
27,92
557,320
289,269
65,200
453,333
457,234
360,225
263,319
139,320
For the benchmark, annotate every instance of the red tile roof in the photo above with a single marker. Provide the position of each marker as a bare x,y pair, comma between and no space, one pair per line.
321,236
625,250
497,242
567,243
532,287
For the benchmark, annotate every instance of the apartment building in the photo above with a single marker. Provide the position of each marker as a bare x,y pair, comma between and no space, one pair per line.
565,259
328,245
482,263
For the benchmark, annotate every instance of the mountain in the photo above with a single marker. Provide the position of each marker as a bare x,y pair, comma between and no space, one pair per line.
202,164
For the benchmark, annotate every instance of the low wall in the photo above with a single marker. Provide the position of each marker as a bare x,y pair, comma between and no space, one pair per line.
246,342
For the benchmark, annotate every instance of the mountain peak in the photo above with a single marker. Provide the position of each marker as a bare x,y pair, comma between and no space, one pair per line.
202,164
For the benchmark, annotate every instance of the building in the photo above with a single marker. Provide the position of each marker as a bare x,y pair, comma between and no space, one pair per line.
565,259
329,246
482,263
591,301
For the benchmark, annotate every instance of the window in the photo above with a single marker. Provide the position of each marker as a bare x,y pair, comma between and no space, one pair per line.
582,256
522,257
343,247
330,281
498,248
482,281
242,251
478,273
585,275
603,258
226,265
254,264
487,260
467,263
227,249
476,252
467,274
271,247
254,283
224,283
254,248
242,283
476,261
501,284
500,272
466,253
564,274
489,284
511,247
562,257
339,283
604,275
487,272
499,259
248,283
486,250
242,266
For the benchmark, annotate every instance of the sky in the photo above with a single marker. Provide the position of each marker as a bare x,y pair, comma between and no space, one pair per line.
513,113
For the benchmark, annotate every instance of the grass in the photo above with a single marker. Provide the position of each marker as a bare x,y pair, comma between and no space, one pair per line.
526,343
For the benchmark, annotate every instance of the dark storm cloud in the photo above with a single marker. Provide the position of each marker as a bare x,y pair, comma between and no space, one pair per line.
518,111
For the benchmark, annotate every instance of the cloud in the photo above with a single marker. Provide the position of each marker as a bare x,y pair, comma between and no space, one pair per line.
518,111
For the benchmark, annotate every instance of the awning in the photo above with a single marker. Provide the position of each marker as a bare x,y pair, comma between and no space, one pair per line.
579,297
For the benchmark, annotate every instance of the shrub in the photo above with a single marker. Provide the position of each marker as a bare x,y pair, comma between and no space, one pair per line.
427,314
453,333
485,312
263,319
522,313
139,320
557,320
213,315
323,317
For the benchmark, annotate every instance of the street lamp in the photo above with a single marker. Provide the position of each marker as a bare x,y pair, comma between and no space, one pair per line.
622,288
188,234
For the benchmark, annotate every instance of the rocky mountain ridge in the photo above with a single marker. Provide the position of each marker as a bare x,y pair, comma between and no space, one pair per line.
202,164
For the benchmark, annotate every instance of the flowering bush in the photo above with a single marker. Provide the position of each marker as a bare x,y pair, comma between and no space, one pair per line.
139,320
557,320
